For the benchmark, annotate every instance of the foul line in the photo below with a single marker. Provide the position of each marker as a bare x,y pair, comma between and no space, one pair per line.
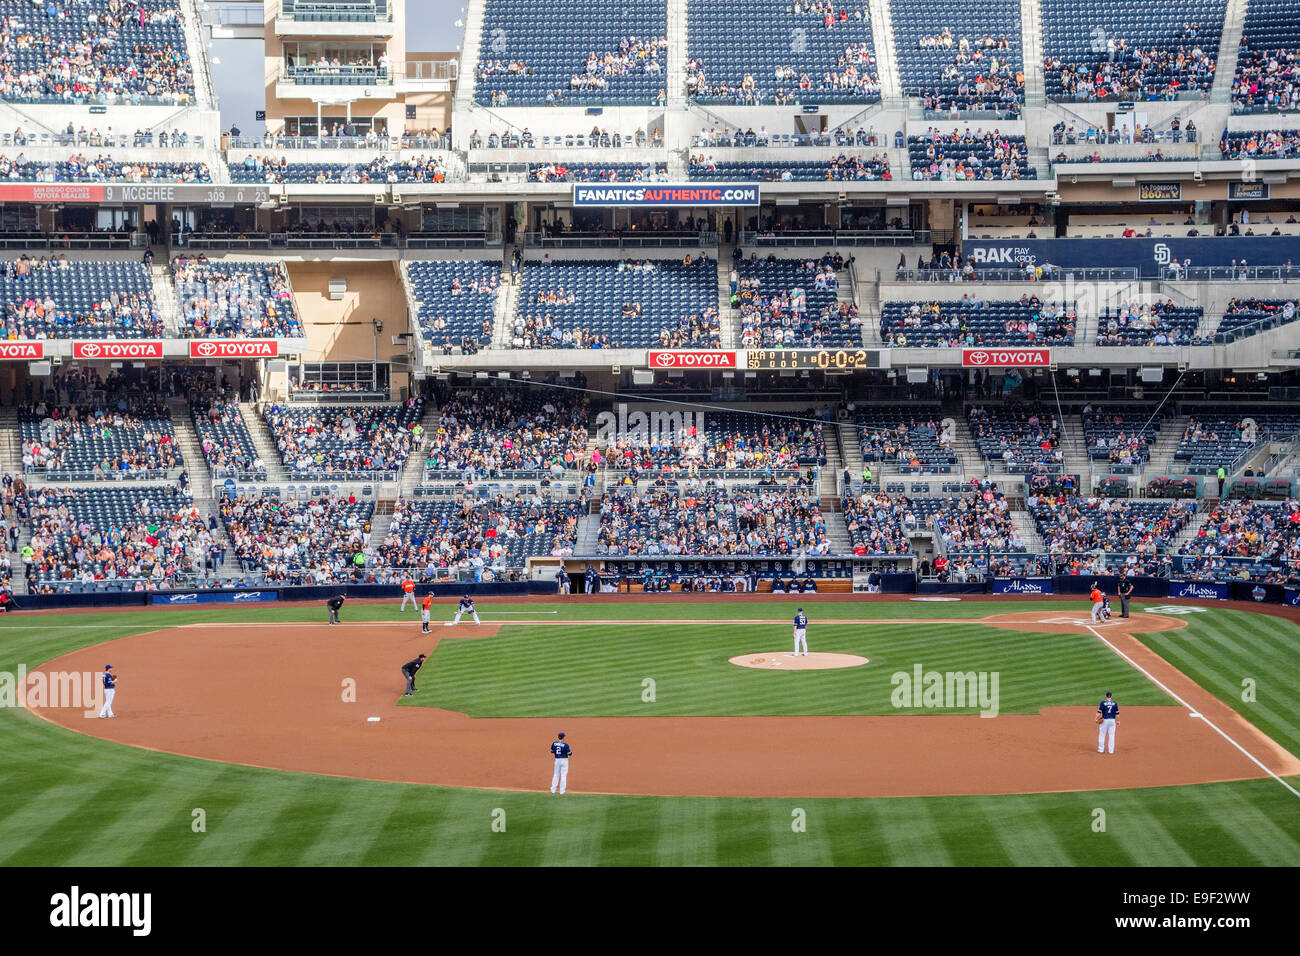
1194,712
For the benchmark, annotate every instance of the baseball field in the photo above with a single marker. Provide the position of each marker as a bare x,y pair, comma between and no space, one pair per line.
914,733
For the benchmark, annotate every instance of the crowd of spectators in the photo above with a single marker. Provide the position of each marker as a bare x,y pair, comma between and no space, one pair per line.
958,323
1266,80
478,537
164,541
298,540
706,518
509,430
252,300
106,61
1121,72
345,439
842,168
1261,144
976,522
980,76
1266,533
773,445
1019,438
381,169
964,155
129,438
562,173
36,316
879,523
1087,524
1144,323
225,439
782,318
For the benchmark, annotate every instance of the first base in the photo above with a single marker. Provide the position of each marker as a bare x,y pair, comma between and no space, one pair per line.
374,720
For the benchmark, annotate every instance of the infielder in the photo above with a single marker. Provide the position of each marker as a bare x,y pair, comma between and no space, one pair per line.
466,606
800,633
561,752
1095,597
110,691
408,593
1107,718
426,606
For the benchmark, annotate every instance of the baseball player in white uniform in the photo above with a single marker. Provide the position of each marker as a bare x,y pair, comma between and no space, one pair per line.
561,751
110,691
466,606
1107,718
800,633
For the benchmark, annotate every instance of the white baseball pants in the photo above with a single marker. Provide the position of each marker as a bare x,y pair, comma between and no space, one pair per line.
561,776
460,612
1107,726
408,596
800,638
107,709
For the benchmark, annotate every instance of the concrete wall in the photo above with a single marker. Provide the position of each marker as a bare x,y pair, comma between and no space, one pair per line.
341,331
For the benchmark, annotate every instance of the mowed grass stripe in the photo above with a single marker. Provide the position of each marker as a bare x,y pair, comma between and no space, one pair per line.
528,671
1218,651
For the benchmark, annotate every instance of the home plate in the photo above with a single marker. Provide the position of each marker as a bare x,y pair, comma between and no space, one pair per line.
812,661
373,720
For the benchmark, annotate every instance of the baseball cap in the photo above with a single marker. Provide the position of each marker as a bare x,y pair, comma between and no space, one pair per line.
800,609
561,735
108,667
1107,693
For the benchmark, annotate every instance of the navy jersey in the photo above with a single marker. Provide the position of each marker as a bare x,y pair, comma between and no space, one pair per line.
560,749
109,680
1108,709
801,620
467,604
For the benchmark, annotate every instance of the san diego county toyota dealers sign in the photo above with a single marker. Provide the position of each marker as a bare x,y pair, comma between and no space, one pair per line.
117,350
693,359
234,348
1006,358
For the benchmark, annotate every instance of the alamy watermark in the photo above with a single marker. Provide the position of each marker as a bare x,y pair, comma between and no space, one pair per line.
677,429
53,689
940,690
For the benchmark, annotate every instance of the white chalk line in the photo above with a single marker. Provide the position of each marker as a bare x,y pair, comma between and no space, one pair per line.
1193,711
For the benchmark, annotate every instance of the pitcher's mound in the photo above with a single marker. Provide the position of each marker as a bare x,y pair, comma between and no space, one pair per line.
812,661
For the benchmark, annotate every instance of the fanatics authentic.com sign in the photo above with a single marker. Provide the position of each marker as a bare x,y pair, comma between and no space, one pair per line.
233,348
1006,358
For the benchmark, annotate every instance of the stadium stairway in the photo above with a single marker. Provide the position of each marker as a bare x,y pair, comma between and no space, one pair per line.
1025,525
1192,528
413,470
882,34
11,446
675,73
1229,44
850,449
829,474
972,462
507,302
204,91
1075,449
164,297
275,470
467,75
187,440
1166,445
1031,45
728,320
588,535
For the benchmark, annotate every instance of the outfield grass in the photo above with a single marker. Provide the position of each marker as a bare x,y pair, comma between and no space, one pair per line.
75,800
1222,649
591,670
